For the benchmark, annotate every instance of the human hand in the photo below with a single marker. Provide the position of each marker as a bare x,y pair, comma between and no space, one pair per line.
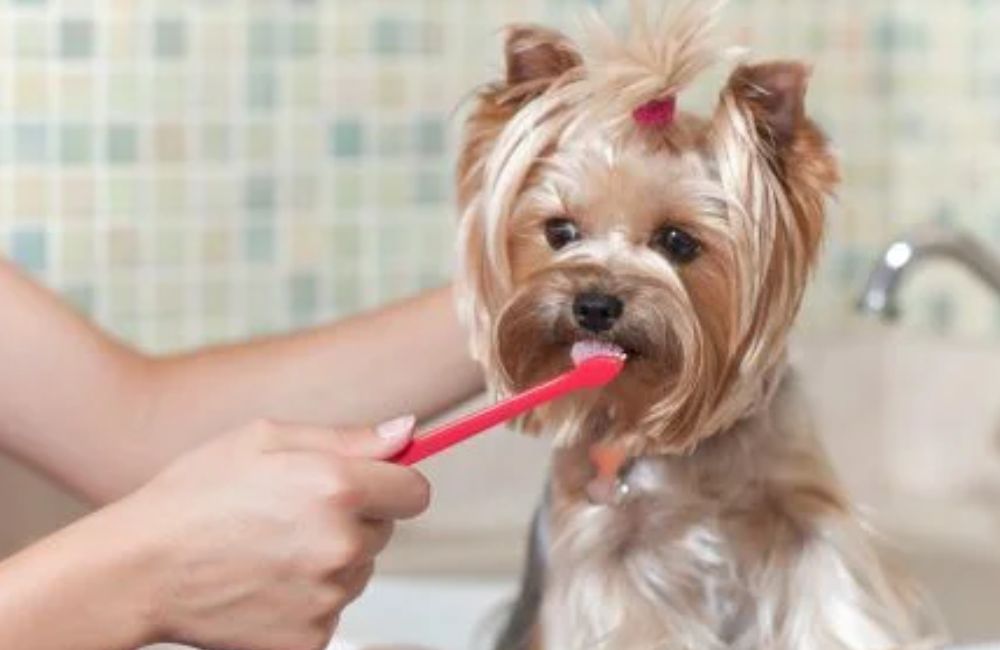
263,536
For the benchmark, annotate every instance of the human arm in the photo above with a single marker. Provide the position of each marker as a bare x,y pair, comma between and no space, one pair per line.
103,418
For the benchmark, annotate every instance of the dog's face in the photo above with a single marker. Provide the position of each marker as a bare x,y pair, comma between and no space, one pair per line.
685,243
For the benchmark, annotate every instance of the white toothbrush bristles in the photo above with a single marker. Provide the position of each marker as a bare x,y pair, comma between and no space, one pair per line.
584,350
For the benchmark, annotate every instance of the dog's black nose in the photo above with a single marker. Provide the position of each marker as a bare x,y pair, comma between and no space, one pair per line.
596,312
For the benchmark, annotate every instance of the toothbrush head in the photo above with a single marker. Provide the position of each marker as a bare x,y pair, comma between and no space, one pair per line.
597,362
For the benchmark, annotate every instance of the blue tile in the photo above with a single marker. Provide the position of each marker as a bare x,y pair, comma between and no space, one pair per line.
170,38
430,188
76,144
304,293
76,38
31,143
302,39
123,144
387,36
29,249
262,39
81,297
346,139
262,90
430,137
259,244
260,200
260,193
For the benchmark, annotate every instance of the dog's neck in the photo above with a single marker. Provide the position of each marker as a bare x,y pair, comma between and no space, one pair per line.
610,468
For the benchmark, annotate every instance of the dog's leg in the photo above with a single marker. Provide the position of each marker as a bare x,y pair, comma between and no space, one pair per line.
826,586
521,631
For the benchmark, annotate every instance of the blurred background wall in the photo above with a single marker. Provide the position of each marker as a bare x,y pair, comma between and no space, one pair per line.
190,171
187,172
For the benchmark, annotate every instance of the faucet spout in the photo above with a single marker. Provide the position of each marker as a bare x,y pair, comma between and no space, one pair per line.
881,293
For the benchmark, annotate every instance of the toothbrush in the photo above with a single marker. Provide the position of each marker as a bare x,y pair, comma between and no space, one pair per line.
595,365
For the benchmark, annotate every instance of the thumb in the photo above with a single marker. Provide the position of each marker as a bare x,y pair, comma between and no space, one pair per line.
384,441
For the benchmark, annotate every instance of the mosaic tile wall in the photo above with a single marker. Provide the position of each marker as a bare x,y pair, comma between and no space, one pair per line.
192,171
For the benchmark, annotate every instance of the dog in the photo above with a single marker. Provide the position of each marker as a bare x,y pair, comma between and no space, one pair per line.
690,505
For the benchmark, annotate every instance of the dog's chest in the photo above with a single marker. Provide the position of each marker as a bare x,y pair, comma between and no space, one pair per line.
656,563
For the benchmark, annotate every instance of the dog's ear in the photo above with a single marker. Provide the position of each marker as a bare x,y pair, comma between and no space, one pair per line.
536,57
772,97
775,95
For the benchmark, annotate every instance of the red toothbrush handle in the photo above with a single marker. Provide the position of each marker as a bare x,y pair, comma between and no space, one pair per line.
453,433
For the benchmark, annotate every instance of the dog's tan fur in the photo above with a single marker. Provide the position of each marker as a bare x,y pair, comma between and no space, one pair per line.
735,533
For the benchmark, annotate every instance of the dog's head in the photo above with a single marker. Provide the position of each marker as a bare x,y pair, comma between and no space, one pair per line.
592,211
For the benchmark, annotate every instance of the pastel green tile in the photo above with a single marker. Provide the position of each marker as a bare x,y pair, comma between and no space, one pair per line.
29,3
125,92
78,195
347,138
122,295
216,297
170,143
170,38
126,328
122,144
259,142
262,39
80,297
123,196
170,92
346,294
304,193
345,239
29,249
348,190
215,142
77,252
170,196
76,38
392,140
302,88
168,335
392,191
391,88
76,144
262,90
303,291
302,40
432,38
124,247
32,38
395,241
168,296
259,244
31,143
217,247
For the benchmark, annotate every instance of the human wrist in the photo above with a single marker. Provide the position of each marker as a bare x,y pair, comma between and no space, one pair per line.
92,577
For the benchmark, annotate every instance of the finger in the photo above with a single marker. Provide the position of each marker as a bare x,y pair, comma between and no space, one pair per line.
382,442
389,491
353,580
377,535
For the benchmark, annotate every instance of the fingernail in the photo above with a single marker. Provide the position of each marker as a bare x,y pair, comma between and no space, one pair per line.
395,429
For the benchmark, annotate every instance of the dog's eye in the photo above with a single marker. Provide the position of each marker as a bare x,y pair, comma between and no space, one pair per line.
560,232
677,245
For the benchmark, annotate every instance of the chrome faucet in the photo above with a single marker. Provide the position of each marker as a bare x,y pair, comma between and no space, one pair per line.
881,294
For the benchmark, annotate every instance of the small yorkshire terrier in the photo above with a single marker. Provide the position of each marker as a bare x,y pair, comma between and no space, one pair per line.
690,505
